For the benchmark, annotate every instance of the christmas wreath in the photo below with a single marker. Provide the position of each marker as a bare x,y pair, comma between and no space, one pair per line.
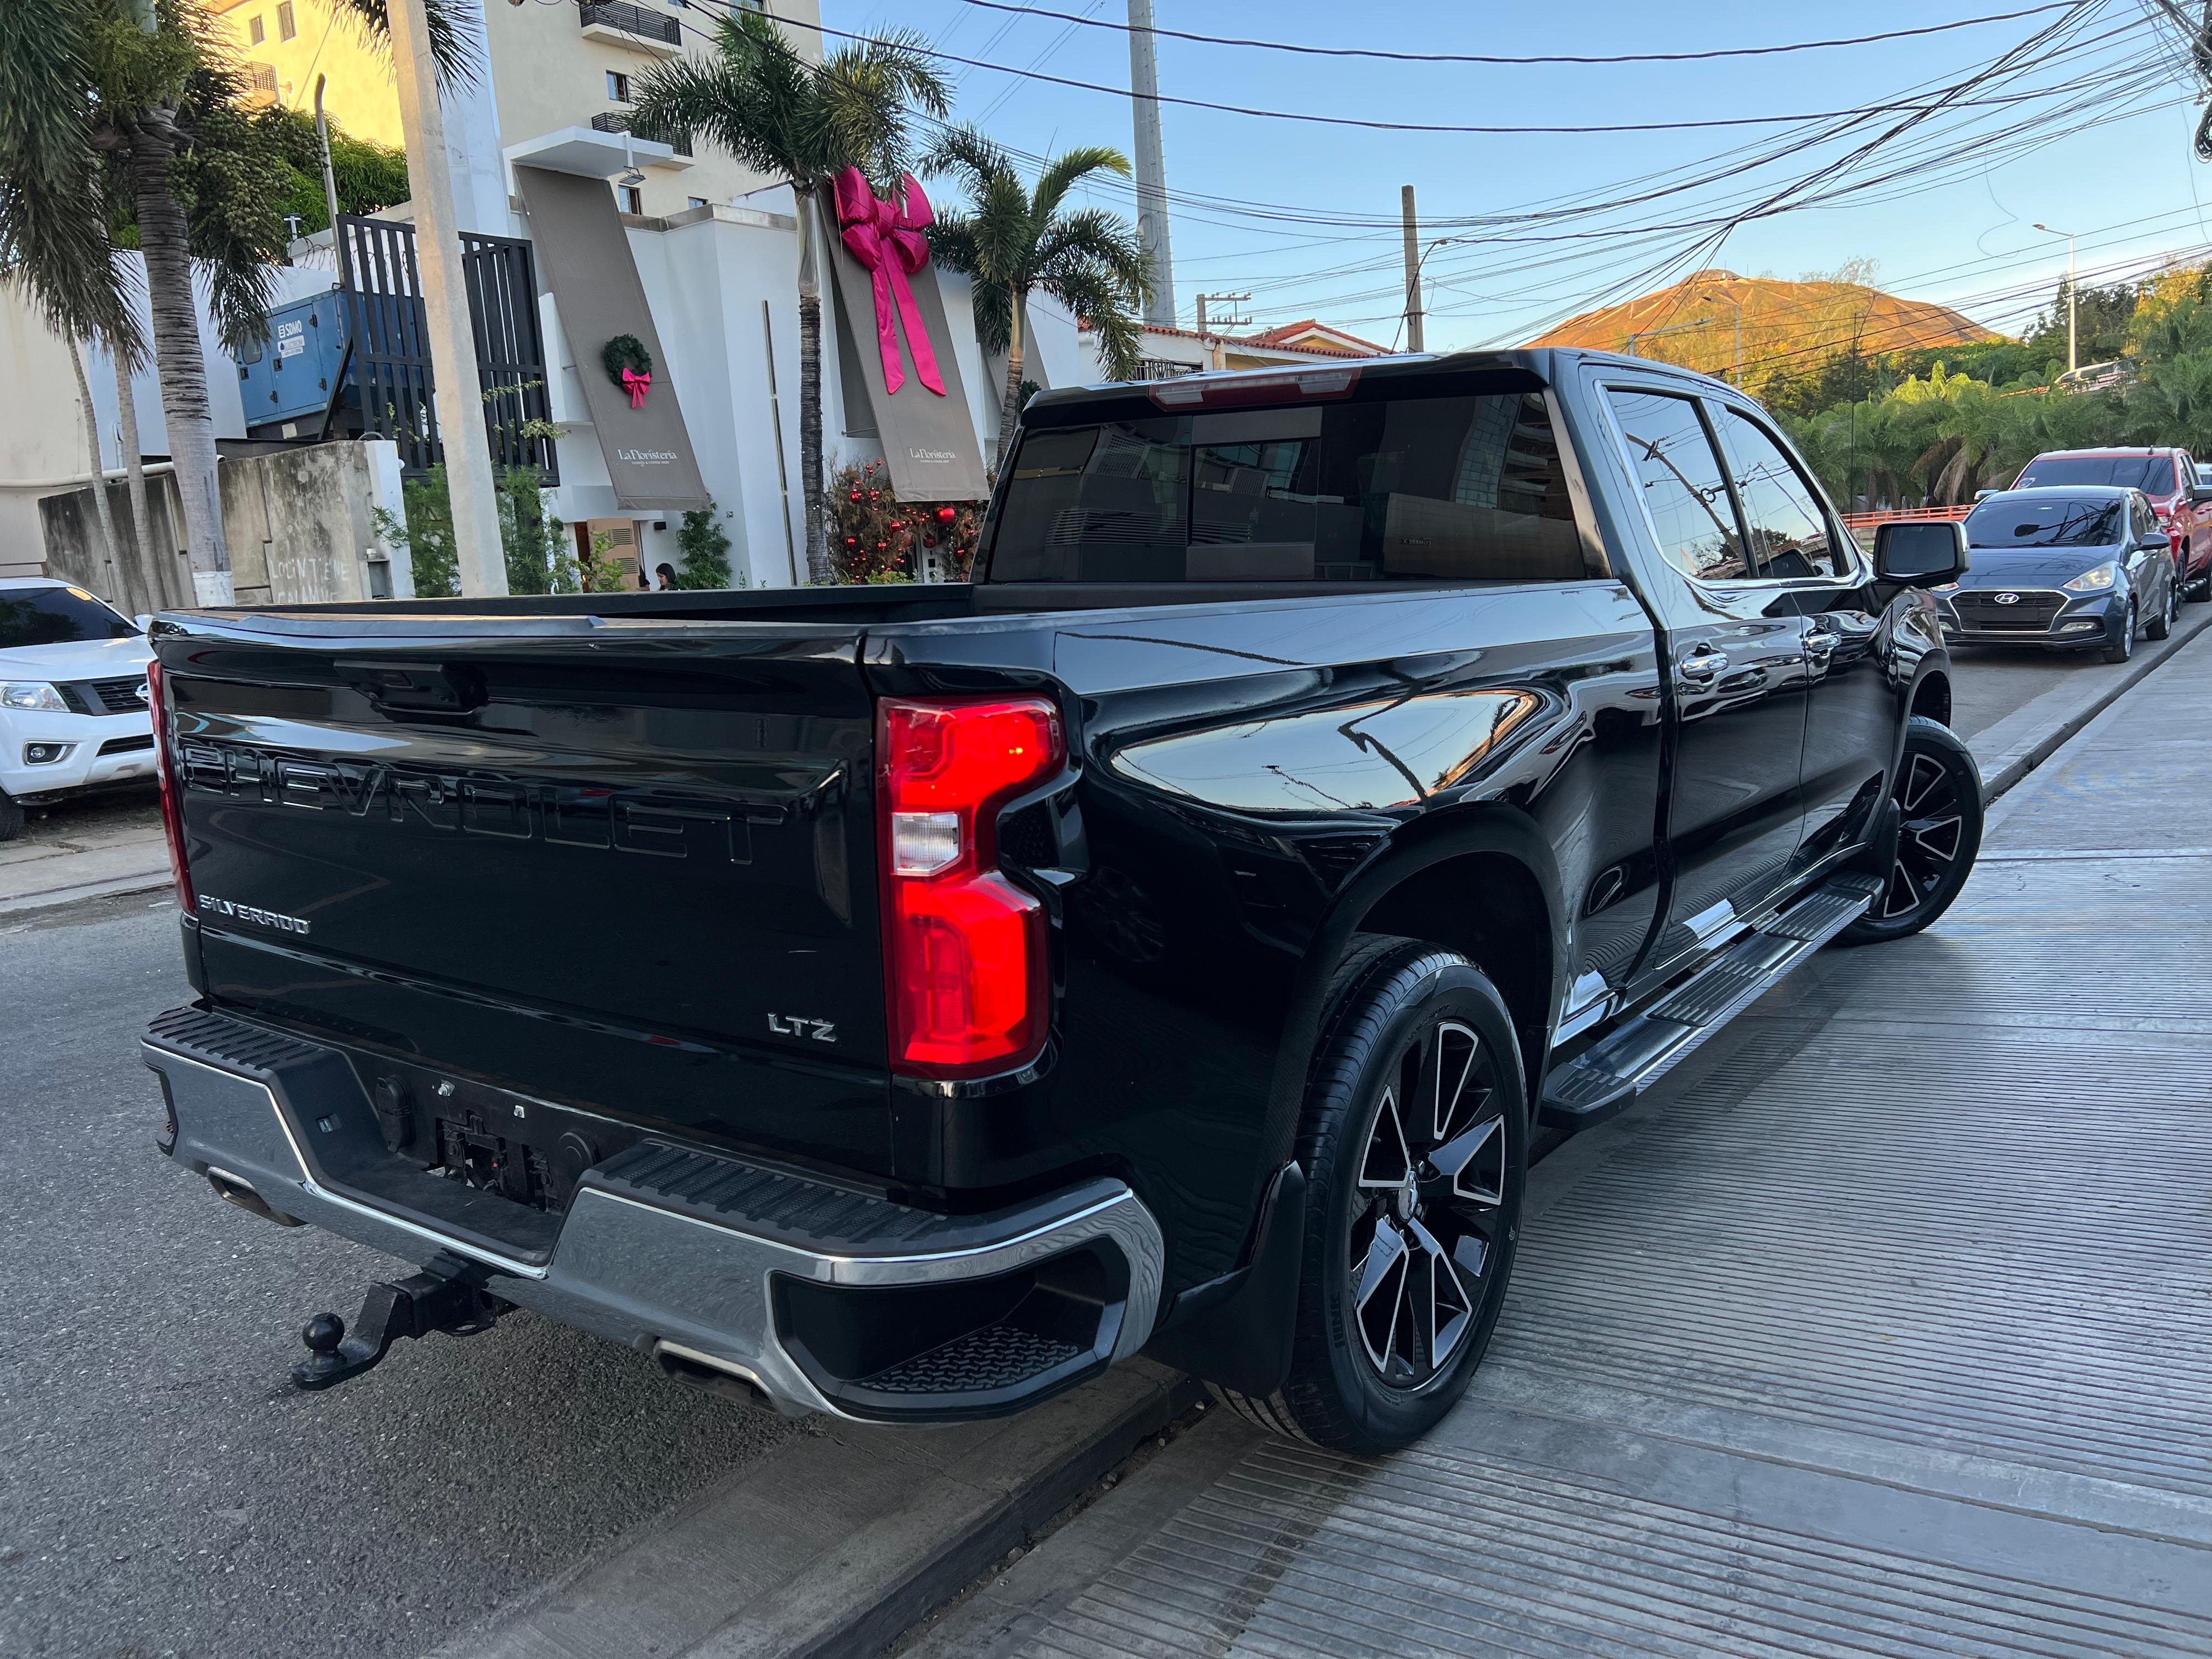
628,365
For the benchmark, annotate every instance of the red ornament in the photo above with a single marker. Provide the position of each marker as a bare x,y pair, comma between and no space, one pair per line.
947,514
871,495
852,541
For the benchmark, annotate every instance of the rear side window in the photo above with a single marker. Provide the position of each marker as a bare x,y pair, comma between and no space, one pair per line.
1447,488
1683,490
1789,532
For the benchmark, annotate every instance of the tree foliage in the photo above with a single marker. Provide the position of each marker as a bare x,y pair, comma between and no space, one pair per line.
705,550
1946,430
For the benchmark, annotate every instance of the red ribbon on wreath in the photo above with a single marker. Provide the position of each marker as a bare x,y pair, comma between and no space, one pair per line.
636,384
886,237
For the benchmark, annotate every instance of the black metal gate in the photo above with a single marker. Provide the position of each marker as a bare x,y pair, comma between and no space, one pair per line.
390,365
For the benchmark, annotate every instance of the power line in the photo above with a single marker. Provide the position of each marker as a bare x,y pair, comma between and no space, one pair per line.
1368,124
1487,57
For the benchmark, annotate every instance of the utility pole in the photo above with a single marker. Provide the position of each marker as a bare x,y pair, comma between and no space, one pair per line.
459,392
2072,357
330,179
1412,270
1151,164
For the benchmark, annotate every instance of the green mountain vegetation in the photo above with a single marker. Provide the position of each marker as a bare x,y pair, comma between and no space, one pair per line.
1930,427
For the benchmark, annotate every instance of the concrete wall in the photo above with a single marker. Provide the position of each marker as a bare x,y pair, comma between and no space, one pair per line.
299,522
74,551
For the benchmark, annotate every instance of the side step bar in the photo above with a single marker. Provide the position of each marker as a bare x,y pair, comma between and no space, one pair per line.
1606,1078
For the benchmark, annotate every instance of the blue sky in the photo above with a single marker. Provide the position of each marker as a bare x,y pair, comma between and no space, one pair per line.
2110,159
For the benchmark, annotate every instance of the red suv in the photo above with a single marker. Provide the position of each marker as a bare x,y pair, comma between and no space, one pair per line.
2168,477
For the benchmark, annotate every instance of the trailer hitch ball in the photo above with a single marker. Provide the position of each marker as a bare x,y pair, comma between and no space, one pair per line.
448,1296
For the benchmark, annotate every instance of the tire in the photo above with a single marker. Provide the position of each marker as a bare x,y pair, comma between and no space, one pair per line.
2200,590
2167,613
1938,792
2121,649
1401,1210
11,816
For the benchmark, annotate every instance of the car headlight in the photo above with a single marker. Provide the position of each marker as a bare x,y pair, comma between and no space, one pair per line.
30,694
2092,581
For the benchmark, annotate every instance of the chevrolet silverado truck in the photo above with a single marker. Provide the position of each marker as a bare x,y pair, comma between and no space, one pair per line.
904,1003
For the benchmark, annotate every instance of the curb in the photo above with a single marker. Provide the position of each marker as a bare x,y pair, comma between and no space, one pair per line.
2075,709
54,898
840,1538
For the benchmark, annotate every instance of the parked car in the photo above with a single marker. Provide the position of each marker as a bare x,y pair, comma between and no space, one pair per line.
2066,568
73,717
904,1003
2170,477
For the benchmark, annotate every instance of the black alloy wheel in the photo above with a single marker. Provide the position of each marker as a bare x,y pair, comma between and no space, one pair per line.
1938,798
1432,1180
2168,613
2121,649
2200,590
1415,1143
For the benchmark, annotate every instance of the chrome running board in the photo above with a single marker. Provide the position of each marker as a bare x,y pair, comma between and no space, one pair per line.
1606,1078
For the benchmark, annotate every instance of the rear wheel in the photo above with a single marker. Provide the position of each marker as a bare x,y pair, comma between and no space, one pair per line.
11,816
1938,793
2201,589
1414,1143
2121,649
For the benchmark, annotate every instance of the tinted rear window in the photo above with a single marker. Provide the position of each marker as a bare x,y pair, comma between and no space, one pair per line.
56,615
1455,489
2153,473
2045,521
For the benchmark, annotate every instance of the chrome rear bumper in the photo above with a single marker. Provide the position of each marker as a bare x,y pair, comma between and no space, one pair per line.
823,1299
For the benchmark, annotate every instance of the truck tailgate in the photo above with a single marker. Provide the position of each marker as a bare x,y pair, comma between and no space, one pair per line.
627,866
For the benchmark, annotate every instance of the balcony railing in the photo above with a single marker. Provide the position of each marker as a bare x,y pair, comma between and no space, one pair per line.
639,21
616,121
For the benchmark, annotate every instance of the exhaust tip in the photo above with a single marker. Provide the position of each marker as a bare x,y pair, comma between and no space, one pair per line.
714,1375
236,1189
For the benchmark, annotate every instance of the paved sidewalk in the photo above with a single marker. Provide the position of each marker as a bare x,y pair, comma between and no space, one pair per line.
100,859
1880,1329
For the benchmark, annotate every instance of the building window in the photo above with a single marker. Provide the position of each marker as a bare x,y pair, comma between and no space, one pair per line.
256,30
633,200
286,28
618,86
695,201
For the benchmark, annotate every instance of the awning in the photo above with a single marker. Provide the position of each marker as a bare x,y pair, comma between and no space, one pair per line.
584,254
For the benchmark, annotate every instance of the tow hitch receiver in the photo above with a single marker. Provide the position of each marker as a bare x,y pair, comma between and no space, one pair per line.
447,1295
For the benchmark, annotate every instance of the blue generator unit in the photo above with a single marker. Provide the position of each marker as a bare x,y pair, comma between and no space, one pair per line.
286,380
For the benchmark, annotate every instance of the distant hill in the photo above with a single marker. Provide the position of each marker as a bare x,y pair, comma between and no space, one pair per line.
1792,326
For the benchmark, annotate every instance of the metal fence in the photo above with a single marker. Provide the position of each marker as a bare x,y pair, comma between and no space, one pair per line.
390,357
631,20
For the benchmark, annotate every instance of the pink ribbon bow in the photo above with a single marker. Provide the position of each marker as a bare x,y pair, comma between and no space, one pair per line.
635,383
886,237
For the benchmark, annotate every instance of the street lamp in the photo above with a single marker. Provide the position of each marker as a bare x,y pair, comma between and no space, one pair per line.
2073,360
1413,280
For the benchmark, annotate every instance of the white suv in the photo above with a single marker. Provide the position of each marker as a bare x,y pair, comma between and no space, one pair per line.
73,715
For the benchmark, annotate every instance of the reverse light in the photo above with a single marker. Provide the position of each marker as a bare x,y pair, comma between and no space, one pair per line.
2094,580
172,800
966,980
32,694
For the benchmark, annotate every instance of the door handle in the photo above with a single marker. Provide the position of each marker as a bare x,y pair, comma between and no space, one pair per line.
1702,665
1821,643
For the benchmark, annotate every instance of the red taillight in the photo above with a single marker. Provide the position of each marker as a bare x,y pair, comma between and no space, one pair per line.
172,800
964,960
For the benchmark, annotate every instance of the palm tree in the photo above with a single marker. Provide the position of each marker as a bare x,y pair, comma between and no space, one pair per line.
128,114
803,124
1015,239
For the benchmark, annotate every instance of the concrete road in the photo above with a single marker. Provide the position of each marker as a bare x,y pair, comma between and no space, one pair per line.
162,1489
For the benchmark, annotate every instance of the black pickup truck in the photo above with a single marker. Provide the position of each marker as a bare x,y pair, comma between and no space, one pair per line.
906,1002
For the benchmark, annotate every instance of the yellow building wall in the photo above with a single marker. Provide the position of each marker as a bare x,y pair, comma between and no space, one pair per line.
360,95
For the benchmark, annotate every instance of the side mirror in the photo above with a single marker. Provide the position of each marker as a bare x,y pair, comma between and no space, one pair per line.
1919,554
1984,494
2199,494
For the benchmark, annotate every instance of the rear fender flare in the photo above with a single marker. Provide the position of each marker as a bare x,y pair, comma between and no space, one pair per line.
1455,833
